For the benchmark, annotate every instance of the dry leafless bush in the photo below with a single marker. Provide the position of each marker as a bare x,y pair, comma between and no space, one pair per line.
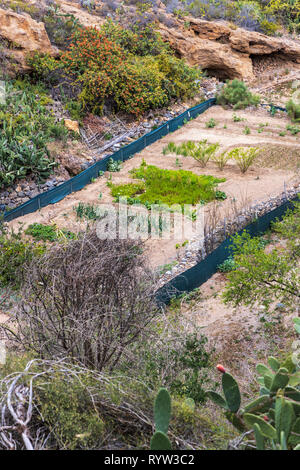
87,300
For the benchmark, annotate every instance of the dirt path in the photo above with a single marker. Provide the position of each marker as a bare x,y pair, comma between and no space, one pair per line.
266,178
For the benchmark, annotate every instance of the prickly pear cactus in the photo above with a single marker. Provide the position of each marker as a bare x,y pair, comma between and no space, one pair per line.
232,397
274,416
162,415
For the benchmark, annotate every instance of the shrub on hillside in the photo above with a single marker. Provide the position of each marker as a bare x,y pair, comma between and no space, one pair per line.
244,157
138,41
87,299
246,14
237,94
44,67
265,276
26,126
293,110
16,253
130,71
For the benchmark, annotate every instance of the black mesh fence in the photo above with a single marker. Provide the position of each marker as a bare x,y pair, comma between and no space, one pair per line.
84,178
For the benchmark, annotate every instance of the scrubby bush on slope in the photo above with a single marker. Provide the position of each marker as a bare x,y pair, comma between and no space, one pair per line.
88,307
293,110
237,94
261,275
26,126
132,72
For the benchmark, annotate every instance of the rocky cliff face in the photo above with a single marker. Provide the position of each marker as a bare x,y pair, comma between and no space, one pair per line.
20,35
225,51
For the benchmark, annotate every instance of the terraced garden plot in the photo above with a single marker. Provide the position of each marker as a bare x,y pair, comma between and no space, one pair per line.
278,164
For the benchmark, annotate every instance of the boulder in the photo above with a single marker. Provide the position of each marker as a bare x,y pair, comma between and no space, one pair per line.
23,35
71,163
72,125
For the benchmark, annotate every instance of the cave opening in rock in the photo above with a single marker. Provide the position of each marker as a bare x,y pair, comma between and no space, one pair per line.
220,73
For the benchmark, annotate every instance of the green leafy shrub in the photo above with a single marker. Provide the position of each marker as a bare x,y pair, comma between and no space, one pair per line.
48,232
293,110
114,165
244,157
136,40
194,361
201,151
266,275
59,26
237,94
15,255
86,211
220,159
44,67
108,68
237,118
294,130
220,195
211,123
227,265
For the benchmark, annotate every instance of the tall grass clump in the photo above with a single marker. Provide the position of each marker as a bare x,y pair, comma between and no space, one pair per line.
220,159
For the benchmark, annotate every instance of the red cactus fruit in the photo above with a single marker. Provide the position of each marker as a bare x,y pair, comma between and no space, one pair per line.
221,368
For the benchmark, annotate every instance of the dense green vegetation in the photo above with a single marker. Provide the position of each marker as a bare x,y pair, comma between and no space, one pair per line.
26,126
169,187
130,70
261,275
49,233
15,255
